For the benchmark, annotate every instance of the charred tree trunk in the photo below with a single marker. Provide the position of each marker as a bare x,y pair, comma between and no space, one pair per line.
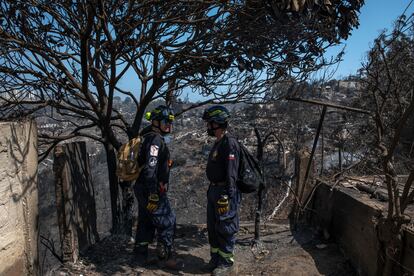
257,221
340,157
114,189
260,193
127,207
391,228
121,201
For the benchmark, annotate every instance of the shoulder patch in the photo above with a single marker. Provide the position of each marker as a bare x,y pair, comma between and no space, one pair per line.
154,150
152,161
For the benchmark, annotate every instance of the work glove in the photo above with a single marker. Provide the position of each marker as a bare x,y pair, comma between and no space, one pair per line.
223,205
153,200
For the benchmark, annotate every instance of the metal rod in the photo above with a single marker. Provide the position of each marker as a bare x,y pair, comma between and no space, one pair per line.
329,105
315,142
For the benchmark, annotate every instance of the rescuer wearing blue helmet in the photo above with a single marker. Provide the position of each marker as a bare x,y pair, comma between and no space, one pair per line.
223,197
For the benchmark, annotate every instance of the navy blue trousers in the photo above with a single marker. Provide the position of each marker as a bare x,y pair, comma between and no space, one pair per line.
222,229
162,220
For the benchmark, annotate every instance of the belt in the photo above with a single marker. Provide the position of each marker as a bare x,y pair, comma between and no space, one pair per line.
223,183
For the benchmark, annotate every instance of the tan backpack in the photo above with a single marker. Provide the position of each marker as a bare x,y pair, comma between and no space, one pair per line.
128,168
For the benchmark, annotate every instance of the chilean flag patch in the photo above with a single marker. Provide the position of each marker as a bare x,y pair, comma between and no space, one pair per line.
232,157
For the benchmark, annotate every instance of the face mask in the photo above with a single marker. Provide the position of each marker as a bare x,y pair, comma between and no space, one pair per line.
162,125
211,130
167,138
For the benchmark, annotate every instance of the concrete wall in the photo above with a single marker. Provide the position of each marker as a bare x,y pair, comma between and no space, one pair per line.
351,222
350,218
18,198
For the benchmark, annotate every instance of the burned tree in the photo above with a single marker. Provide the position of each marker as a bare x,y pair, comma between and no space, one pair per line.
388,79
262,141
259,127
70,58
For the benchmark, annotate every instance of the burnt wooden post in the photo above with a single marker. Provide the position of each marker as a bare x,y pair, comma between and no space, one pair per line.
75,200
63,191
301,186
303,157
302,182
315,143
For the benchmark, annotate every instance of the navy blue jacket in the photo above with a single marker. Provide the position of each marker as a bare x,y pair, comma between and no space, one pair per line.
154,155
223,163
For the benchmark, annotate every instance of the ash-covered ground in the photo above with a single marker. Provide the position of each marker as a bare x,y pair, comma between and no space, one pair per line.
281,252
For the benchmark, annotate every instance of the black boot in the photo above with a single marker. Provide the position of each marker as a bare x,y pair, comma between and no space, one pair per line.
163,251
210,266
141,255
166,257
224,270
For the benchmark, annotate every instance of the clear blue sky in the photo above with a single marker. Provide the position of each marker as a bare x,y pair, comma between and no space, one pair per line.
375,16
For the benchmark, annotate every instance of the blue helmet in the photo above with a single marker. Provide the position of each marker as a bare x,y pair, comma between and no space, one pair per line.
217,114
161,113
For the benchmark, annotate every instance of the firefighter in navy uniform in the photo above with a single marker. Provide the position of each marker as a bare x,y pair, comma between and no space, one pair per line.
154,209
223,197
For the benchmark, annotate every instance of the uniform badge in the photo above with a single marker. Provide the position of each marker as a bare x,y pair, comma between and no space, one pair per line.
232,157
152,161
154,150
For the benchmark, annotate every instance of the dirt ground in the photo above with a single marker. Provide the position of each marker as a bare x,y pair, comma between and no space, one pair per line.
281,252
